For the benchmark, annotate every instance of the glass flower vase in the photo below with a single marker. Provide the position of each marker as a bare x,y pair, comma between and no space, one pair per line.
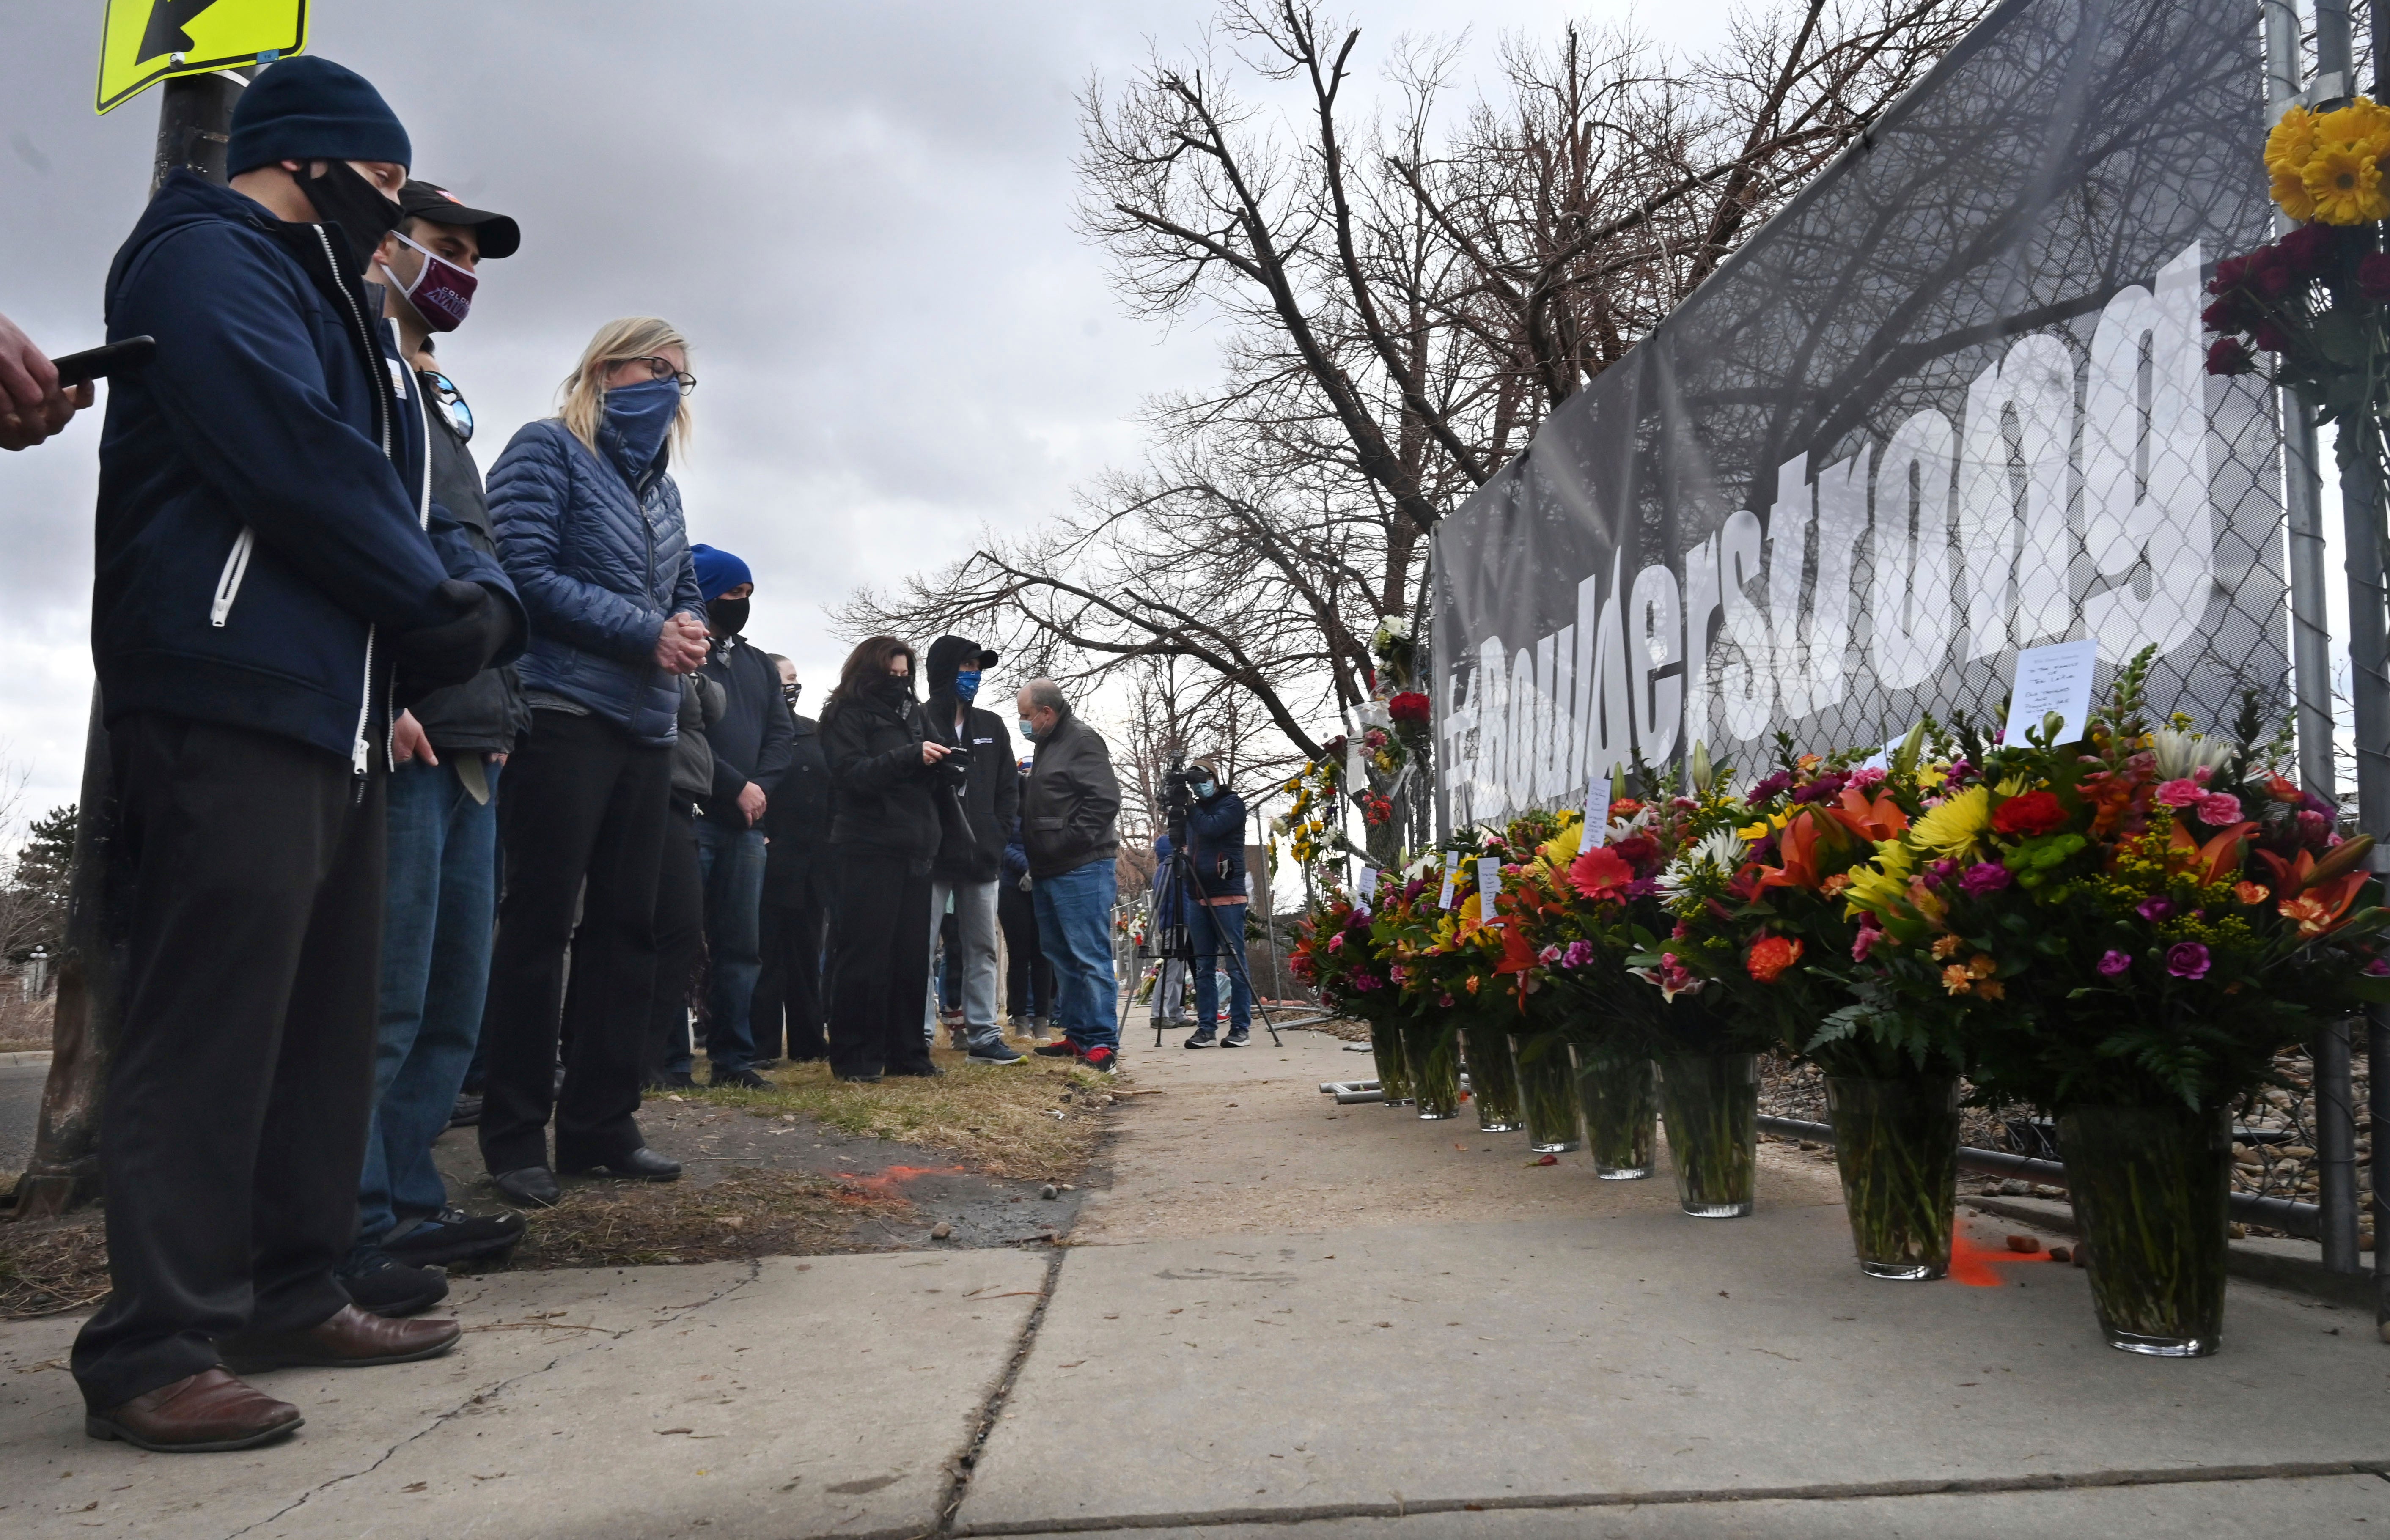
2152,1187
1622,1111
1432,1053
1711,1103
1393,1070
1546,1094
1493,1078
1896,1148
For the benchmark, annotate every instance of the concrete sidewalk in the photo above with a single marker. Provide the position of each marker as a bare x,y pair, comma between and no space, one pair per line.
1290,1319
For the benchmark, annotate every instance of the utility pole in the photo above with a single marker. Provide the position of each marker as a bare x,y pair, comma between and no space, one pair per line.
194,128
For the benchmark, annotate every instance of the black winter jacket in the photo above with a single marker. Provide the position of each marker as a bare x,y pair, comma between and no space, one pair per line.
972,850
264,526
753,740
797,820
884,794
487,714
1069,813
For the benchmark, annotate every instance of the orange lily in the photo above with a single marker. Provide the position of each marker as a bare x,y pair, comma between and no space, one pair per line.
2318,908
1873,821
2214,861
1799,848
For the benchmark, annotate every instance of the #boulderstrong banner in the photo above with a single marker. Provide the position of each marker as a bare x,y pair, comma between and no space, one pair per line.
1948,403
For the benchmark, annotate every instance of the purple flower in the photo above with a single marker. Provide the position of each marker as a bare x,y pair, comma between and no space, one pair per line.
1363,980
1578,953
1985,877
2187,960
2116,962
2378,966
2154,909
1775,784
1642,887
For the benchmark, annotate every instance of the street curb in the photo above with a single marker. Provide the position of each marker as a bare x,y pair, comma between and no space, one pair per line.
2249,1259
10,1060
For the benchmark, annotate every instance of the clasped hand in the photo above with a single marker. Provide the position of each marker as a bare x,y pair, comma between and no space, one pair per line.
681,645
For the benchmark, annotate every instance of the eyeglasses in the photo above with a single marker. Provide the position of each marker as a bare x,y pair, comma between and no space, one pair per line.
662,369
451,401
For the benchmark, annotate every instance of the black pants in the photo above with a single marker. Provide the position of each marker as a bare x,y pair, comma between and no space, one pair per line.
880,966
579,799
680,942
242,1083
1028,977
796,937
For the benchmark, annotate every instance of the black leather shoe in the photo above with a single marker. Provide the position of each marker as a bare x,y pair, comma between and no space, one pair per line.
465,1113
860,1080
743,1080
530,1186
927,1072
641,1164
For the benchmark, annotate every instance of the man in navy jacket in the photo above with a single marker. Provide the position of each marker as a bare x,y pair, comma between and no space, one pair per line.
271,574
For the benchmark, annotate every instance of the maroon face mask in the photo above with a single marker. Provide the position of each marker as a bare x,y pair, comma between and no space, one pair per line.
442,293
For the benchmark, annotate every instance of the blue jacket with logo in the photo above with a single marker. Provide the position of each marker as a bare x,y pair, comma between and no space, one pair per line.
597,546
264,523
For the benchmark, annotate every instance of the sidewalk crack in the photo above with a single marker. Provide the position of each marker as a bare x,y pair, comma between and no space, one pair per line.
488,1392
958,1475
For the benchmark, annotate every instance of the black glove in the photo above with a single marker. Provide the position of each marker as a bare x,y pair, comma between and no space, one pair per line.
454,650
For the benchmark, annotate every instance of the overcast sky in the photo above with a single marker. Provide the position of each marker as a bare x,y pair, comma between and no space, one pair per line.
860,213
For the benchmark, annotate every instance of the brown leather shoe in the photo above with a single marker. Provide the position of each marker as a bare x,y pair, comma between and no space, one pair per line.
205,1413
350,1339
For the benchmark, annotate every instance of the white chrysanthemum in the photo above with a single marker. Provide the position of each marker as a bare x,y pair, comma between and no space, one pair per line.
1718,853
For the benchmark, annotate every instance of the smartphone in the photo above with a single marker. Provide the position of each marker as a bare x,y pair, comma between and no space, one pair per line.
116,358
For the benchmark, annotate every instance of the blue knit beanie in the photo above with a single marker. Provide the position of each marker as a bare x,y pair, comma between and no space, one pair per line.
717,571
310,108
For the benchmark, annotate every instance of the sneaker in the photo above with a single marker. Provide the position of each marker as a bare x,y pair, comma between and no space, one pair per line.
381,1285
1203,1039
744,1080
958,1038
764,1066
1062,1047
1100,1060
998,1052
452,1235
467,1112
1238,1037
930,1073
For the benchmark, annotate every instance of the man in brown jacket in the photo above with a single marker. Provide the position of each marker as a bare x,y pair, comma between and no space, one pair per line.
1068,813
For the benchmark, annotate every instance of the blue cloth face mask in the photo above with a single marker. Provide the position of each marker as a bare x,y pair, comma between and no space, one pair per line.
967,685
641,414
1028,730
1203,790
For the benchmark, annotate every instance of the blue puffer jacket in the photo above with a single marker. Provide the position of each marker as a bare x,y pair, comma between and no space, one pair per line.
598,552
262,530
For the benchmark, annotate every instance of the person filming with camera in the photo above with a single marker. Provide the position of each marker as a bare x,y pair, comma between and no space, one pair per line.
1215,905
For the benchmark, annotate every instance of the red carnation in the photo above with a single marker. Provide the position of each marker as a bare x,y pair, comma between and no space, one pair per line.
2373,276
2229,356
2271,338
2230,275
2035,813
2308,250
1409,706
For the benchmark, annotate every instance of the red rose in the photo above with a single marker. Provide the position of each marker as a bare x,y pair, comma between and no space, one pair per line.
2229,274
2271,338
2228,356
2035,813
1409,706
2308,250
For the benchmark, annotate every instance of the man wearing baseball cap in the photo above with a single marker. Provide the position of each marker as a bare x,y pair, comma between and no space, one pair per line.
272,574
448,753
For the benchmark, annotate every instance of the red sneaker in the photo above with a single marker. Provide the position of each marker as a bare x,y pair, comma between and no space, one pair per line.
1102,1061
1062,1047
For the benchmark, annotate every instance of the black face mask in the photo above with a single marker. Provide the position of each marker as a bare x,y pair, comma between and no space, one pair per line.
895,690
730,614
347,199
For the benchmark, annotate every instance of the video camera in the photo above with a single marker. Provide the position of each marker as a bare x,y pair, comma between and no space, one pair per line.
1177,797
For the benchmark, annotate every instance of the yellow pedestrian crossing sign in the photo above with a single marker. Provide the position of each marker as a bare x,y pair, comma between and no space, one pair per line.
144,41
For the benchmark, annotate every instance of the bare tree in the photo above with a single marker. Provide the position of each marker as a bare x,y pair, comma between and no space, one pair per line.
1401,311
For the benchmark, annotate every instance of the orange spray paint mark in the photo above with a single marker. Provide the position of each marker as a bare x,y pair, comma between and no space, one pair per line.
896,1176
1975,1265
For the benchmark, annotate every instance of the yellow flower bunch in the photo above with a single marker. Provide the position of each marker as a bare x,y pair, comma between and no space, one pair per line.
2327,166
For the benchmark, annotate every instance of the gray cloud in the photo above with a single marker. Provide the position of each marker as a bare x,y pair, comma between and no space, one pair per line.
858,212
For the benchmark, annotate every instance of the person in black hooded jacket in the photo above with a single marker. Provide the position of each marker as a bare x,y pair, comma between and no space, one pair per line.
971,853
884,833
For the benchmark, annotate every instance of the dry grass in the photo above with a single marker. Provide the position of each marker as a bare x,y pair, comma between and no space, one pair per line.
1041,1119
747,1213
49,1266
24,1024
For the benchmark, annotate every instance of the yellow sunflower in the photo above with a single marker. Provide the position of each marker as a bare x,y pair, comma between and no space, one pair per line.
2291,143
2346,186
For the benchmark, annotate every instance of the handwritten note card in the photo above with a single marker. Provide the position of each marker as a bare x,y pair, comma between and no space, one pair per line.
1451,870
2055,678
1596,814
1489,887
1369,885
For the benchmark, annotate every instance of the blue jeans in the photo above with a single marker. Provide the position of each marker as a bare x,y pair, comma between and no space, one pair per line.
435,969
1224,938
730,862
1074,926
